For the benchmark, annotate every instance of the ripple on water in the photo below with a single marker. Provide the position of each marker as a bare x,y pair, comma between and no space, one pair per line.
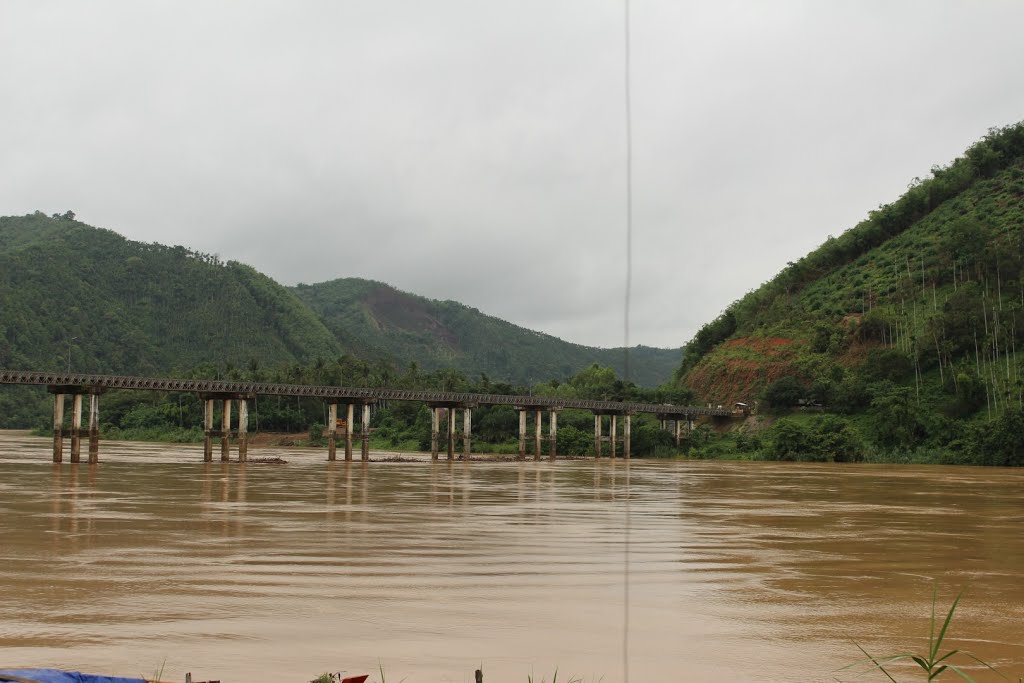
264,573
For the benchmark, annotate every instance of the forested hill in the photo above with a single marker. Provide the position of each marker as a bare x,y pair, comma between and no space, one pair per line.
441,334
128,307
918,309
121,306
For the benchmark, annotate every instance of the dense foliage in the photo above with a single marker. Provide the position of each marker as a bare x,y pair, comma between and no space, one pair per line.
904,327
441,334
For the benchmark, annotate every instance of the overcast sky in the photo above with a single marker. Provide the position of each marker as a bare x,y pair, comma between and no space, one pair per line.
475,149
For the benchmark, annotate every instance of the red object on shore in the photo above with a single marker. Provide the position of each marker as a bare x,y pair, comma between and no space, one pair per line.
355,679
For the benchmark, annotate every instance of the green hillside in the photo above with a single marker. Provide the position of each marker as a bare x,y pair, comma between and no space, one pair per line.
121,306
128,307
440,334
907,324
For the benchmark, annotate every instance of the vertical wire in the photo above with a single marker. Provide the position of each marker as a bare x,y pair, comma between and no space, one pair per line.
629,284
629,190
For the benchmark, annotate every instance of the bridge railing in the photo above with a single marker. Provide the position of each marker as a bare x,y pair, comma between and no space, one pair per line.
328,393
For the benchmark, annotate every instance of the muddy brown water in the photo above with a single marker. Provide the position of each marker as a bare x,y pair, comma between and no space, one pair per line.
735,571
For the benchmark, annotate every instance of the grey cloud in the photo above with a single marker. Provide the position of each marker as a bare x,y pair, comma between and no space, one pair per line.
474,150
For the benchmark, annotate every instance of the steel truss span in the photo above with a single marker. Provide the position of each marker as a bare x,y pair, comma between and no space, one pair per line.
93,383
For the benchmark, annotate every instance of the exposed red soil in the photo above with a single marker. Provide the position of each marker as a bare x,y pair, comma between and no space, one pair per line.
759,344
727,380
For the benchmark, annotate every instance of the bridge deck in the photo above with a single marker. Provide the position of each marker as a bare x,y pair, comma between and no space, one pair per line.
340,393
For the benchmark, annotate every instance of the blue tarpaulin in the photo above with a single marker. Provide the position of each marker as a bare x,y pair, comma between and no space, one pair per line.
55,676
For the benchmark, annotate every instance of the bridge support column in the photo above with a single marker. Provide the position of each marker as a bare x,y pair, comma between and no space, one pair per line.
58,427
243,430
613,434
628,418
332,431
366,431
552,434
435,431
208,430
467,432
537,430
679,433
76,428
522,434
597,435
349,417
450,418
94,428
225,432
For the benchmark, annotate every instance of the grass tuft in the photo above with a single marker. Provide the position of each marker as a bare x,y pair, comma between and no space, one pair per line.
931,663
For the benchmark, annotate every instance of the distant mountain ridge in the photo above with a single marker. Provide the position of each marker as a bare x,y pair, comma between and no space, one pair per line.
69,291
438,334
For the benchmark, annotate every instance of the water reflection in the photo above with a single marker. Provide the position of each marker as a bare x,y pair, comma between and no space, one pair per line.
258,572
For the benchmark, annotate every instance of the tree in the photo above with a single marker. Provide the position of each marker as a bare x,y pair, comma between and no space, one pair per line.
784,393
1001,442
789,440
896,422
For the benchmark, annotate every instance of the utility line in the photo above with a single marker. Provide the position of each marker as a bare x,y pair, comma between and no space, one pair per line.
629,284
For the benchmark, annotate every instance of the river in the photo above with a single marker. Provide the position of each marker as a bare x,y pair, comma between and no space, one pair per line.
277,572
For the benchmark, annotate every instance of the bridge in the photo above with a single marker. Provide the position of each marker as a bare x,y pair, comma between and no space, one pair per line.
443,406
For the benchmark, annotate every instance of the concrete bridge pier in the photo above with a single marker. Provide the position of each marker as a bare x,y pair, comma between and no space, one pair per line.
225,432
537,430
449,420
435,431
243,429
522,433
449,412
626,433
613,435
552,433
58,424
332,431
597,435
207,429
349,417
365,430
94,427
679,432
76,428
